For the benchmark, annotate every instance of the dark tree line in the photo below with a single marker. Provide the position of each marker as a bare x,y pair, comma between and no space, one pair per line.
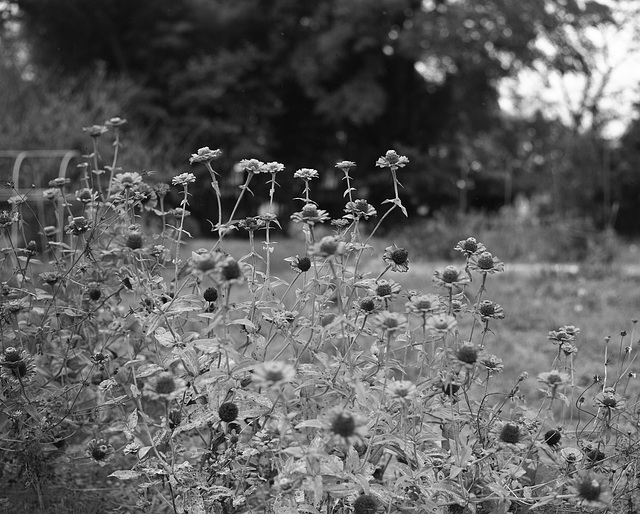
308,82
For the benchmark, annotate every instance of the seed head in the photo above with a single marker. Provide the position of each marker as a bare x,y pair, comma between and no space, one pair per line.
228,411
230,270
303,264
94,293
470,244
552,437
343,424
165,384
467,353
133,240
11,354
450,274
510,433
589,489
396,258
365,504
210,294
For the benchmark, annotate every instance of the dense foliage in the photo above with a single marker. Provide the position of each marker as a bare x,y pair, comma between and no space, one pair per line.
287,79
208,384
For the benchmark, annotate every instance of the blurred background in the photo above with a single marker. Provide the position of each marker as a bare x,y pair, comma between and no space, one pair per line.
520,119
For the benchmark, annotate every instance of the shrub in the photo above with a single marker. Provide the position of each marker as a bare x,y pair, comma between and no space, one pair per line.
208,384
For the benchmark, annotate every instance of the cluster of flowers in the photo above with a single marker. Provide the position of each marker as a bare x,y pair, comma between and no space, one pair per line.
214,385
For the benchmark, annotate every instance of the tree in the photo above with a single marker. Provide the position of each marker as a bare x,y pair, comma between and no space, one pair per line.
309,83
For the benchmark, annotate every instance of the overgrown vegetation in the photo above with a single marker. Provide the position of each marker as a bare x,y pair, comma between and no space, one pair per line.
210,384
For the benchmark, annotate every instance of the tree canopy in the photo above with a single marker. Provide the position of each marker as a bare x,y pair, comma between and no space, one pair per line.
311,82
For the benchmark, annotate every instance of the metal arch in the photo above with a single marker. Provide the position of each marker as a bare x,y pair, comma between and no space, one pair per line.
66,159
21,155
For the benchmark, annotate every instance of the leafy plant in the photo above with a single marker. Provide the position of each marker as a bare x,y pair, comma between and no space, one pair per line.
209,384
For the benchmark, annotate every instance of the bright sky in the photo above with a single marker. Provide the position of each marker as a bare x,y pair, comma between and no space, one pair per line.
616,51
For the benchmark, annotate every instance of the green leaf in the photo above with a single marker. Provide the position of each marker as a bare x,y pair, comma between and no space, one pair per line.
126,474
146,370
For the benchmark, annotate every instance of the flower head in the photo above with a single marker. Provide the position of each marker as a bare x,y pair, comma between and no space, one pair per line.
94,292
49,231
210,294
396,258
310,214
554,379
161,189
299,264
450,277
552,437
423,303
469,246
571,455
232,271
306,174
566,333
385,289
568,348
389,321
52,193
183,179
511,435
251,166
204,260
115,122
273,167
205,154
590,490
467,355
95,131
100,451
328,246
78,225
490,310
345,165
17,200
125,181
17,365
133,239
50,277
609,400
345,425
59,182
251,223
402,390
273,374
228,412
365,504
392,160
367,305
492,363
8,218
165,384
441,323
485,262
85,195
359,209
